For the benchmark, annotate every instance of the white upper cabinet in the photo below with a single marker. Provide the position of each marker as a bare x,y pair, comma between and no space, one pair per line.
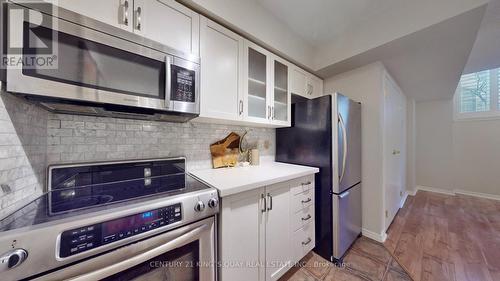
165,21
315,86
168,22
298,81
281,97
305,84
266,93
222,65
257,83
117,13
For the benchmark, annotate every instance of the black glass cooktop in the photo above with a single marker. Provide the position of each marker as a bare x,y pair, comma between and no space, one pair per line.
76,190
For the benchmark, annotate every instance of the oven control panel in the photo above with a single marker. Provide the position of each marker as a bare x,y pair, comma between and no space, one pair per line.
78,240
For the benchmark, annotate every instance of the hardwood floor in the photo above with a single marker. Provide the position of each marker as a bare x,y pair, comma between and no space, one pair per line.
444,237
367,260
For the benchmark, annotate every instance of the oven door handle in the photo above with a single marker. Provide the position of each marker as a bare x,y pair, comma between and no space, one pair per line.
140,258
168,81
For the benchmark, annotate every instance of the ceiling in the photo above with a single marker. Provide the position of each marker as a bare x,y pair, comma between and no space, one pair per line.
485,53
426,64
321,21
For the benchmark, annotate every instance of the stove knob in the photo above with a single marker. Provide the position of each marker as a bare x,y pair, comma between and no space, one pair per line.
13,258
213,203
200,206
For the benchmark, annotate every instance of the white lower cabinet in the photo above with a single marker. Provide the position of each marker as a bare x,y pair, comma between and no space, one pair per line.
261,235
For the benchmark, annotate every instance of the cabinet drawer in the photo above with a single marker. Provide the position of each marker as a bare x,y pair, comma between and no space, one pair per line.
302,200
303,241
302,185
302,217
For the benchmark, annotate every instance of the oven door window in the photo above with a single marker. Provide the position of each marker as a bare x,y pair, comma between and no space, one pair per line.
86,63
179,264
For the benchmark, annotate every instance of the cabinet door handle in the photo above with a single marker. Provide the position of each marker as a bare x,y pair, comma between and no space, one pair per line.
264,203
307,241
273,113
241,107
125,12
306,218
268,112
306,201
138,17
270,207
306,183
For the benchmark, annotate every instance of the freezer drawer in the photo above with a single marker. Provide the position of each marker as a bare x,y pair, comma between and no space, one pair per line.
346,220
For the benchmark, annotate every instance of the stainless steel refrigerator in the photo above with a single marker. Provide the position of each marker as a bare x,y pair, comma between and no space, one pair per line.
326,133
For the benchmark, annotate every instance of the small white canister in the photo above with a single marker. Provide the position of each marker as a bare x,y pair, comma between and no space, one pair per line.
254,157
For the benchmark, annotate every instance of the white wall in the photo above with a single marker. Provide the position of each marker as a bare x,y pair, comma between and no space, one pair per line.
252,20
365,85
476,156
434,144
456,155
410,17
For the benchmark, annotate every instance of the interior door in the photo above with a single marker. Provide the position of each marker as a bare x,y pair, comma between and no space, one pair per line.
278,241
394,149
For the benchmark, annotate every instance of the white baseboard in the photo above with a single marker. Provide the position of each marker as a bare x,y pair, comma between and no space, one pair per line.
477,194
458,191
412,192
435,189
379,237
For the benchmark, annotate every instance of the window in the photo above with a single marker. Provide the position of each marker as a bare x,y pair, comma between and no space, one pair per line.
478,95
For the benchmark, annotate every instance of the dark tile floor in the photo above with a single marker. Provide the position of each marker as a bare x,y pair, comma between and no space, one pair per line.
367,260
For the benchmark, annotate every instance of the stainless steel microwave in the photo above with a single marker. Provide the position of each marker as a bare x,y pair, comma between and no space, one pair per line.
100,69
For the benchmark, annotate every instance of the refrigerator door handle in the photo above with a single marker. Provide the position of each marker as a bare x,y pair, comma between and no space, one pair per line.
344,146
343,195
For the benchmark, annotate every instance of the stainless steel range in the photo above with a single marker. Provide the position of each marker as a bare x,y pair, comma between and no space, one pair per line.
114,221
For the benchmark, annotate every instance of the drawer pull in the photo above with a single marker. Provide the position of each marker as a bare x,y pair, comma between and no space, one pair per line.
306,201
307,241
306,183
306,218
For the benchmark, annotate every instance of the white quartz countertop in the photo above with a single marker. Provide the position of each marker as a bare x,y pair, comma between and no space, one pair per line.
231,181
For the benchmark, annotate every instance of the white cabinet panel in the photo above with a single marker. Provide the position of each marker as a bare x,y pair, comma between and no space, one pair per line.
261,227
169,23
242,236
315,86
257,83
303,241
221,60
298,82
278,254
118,13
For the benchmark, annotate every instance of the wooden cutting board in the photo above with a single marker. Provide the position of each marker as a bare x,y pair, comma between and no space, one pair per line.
225,152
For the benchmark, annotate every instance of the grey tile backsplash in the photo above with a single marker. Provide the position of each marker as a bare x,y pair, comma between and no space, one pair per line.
32,138
74,138
23,147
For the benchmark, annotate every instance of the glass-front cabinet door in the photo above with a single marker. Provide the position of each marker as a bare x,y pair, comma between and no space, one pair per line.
281,95
258,108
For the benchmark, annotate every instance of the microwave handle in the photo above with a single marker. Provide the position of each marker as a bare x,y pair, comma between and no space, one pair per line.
168,81
131,262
